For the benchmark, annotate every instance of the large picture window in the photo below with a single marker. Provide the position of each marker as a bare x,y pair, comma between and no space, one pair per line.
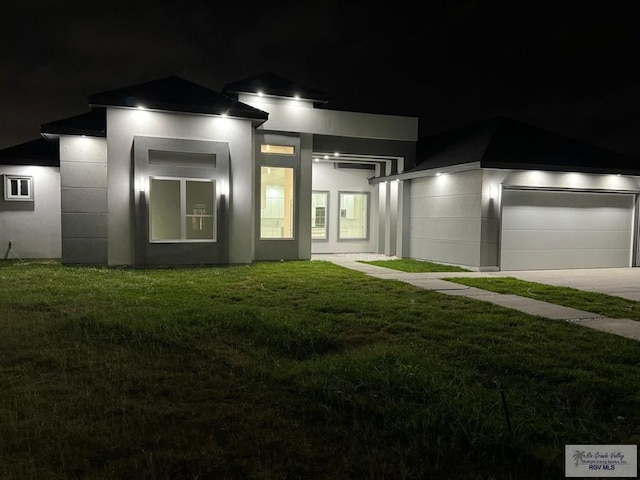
182,210
354,214
276,202
319,210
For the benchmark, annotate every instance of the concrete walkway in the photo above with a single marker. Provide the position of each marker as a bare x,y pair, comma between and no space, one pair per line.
433,281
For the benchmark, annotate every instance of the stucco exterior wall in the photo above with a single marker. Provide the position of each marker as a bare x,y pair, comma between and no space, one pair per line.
489,222
306,181
394,208
293,116
124,124
33,227
446,218
83,183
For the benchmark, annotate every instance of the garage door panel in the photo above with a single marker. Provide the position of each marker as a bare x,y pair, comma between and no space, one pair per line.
554,199
564,218
560,229
550,260
564,240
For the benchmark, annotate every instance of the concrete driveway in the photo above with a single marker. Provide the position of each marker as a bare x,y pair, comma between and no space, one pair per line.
621,282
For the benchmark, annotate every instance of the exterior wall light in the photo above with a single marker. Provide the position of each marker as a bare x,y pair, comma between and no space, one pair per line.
141,184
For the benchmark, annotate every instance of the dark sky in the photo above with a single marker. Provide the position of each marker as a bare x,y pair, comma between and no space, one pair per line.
572,69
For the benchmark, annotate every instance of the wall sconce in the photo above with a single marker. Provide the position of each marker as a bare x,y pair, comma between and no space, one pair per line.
492,193
141,184
224,188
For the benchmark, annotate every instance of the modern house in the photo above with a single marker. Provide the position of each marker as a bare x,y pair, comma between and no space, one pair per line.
169,172
172,173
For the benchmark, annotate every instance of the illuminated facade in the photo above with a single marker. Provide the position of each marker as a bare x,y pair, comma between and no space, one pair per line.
172,173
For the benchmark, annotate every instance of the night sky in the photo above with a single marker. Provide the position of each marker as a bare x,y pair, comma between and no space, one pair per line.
571,69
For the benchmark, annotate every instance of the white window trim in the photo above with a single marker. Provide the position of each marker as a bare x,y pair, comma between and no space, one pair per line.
327,212
183,210
366,218
18,198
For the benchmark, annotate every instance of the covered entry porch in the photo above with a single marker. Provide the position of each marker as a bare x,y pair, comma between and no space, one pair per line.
350,213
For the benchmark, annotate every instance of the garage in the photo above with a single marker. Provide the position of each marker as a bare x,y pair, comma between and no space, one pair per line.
546,229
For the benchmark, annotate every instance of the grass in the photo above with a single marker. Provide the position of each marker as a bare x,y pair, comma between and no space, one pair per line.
292,370
414,266
606,305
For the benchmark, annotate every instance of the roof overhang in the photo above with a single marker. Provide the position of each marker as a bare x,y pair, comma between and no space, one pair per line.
255,121
428,172
90,124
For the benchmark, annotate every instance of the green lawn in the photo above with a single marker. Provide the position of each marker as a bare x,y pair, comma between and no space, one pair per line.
414,266
606,305
292,370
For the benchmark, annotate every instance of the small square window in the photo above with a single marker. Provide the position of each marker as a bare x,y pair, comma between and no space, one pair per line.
18,188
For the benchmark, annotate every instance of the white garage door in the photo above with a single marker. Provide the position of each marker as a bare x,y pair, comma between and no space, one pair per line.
557,229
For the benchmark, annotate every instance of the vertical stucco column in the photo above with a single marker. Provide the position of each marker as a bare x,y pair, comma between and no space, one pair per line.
490,221
306,181
242,174
382,216
389,237
394,213
403,198
83,182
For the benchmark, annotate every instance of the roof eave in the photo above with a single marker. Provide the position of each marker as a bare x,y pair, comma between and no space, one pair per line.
256,119
428,172
51,133
597,170
315,101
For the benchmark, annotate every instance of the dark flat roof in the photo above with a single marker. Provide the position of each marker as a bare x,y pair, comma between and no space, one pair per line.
501,142
274,85
93,123
40,151
175,94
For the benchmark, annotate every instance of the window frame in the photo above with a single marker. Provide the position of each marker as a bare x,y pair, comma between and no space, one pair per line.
277,149
367,226
293,207
8,196
327,214
184,215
